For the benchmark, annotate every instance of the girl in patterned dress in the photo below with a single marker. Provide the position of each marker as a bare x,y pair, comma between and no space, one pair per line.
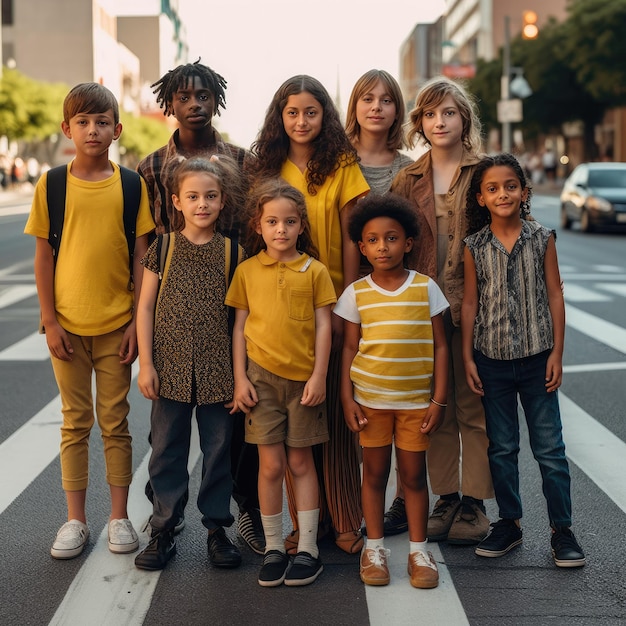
185,361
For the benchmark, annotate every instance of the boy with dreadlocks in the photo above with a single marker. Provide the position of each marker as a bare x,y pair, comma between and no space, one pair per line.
193,93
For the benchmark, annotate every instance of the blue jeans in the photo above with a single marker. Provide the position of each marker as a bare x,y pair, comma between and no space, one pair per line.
170,424
502,382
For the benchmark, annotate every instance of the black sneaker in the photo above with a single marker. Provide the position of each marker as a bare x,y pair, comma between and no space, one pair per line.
250,528
158,552
178,526
395,519
304,570
222,551
275,564
565,549
504,535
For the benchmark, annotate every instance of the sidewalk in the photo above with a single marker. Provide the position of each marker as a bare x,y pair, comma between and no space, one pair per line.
16,201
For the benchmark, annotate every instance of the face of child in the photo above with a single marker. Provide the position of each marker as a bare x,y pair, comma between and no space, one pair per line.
384,243
280,225
501,192
443,124
200,200
302,118
376,110
92,133
193,105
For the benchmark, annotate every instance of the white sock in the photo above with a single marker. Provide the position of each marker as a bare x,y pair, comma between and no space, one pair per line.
273,529
307,524
374,544
415,546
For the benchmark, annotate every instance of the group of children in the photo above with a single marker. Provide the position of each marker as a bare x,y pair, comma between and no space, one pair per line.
278,286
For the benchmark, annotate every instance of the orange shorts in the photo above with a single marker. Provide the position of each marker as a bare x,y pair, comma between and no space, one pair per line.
387,426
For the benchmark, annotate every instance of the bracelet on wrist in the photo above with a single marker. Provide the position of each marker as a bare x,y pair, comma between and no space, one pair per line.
438,403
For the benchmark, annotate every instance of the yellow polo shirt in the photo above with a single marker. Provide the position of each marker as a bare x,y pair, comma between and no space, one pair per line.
281,299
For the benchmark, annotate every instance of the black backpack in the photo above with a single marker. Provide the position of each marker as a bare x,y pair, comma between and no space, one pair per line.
56,190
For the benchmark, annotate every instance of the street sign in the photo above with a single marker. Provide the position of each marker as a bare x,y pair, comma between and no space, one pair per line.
510,110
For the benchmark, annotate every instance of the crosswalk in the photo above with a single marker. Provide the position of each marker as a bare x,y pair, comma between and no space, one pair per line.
120,594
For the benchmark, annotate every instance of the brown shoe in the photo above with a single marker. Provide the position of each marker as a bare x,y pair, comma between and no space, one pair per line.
470,525
441,519
423,570
350,542
374,570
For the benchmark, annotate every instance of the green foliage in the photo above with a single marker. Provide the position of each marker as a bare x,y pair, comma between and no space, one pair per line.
29,109
595,47
141,136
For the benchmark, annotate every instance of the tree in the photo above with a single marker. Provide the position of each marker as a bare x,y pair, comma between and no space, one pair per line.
141,136
595,47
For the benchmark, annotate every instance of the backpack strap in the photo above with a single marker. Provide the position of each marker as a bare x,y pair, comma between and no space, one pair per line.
164,251
56,191
56,183
131,192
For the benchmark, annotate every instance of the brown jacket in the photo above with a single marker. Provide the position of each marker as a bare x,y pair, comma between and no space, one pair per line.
415,182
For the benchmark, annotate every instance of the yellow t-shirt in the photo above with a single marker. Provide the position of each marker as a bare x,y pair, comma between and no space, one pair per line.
281,299
91,278
323,209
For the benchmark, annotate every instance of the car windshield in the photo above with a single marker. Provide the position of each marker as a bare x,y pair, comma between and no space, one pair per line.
607,178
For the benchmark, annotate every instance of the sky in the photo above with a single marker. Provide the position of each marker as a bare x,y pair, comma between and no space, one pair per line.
257,44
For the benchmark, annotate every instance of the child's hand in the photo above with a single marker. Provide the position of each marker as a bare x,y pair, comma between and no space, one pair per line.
148,382
128,348
59,342
353,414
554,372
244,397
473,379
314,391
432,419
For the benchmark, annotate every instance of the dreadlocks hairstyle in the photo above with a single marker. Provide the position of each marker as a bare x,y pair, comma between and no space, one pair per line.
179,78
478,216
330,149
266,191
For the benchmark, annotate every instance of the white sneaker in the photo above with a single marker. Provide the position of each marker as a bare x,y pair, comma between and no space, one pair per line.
70,540
122,536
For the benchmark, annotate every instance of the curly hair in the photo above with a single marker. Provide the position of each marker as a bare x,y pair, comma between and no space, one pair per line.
180,77
223,169
272,189
431,95
330,149
478,216
395,136
389,205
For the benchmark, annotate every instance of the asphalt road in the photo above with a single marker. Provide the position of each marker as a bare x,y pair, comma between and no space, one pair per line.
522,588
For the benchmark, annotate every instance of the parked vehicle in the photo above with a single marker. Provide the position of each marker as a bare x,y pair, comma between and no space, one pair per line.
594,194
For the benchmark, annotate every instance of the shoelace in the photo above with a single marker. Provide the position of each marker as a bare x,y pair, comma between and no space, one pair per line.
420,559
443,508
378,556
565,539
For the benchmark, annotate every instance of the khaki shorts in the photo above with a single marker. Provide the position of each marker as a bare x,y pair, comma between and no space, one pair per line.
279,416
385,426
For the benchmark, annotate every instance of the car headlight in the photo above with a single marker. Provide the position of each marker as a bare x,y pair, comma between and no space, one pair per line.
599,204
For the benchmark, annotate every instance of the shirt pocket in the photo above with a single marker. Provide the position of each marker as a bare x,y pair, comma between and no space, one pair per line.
301,304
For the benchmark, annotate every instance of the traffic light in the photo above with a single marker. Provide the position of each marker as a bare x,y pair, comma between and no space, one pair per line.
530,30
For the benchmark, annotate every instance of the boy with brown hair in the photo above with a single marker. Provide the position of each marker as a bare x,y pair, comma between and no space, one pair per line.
86,297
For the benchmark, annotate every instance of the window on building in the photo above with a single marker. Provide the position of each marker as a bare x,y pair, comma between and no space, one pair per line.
7,12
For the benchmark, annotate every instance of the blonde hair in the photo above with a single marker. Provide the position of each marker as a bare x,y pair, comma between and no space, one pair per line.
431,95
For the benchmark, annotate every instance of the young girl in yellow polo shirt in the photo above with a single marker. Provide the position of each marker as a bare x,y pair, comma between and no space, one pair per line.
281,346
